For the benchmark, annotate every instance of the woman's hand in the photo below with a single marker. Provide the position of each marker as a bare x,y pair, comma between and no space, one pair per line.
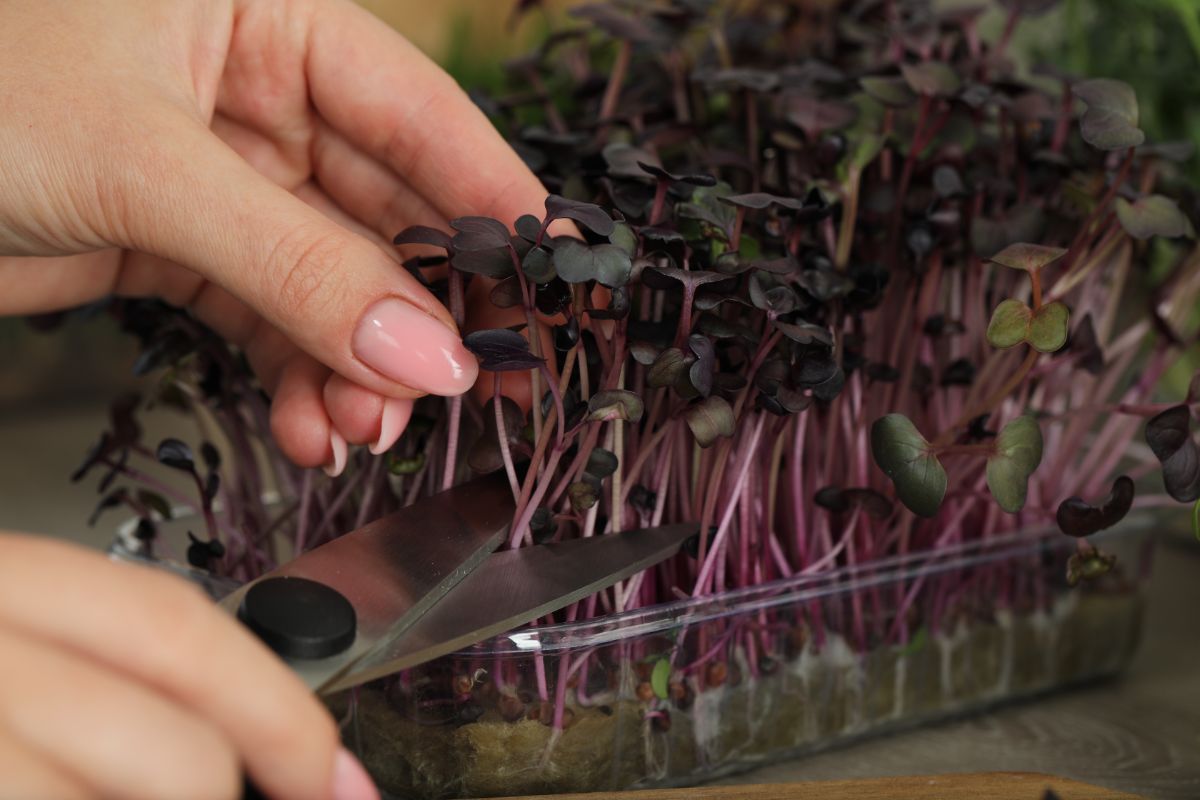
249,160
122,682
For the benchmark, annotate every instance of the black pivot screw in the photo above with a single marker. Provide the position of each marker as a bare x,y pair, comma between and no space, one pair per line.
299,618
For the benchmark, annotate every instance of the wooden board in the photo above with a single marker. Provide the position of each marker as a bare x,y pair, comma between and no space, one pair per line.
977,786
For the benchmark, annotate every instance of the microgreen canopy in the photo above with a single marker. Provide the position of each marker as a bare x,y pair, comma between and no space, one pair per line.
771,292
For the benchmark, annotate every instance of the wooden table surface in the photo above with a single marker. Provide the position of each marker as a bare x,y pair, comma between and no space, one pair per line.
1138,734
977,786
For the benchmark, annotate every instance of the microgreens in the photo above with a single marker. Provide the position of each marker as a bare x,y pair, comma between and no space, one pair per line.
828,309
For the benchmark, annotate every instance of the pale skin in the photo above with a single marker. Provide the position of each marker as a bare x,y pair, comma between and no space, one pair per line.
248,160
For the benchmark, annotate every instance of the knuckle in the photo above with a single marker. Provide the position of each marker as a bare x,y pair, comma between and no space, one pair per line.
305,265
182,619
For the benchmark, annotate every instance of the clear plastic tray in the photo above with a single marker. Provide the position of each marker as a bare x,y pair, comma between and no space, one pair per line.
683,692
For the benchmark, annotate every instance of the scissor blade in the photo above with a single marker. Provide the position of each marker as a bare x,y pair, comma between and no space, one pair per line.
394,569
515,587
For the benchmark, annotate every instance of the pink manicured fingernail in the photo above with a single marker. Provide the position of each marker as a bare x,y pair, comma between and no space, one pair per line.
411,347
340,451
350,780
395,419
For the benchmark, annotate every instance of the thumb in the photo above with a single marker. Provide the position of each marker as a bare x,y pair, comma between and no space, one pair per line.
335,294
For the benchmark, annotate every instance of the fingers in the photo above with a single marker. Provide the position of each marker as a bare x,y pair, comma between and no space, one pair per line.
367,189
118,738
428,131
29,775
363,417
159,632
337,295
38,285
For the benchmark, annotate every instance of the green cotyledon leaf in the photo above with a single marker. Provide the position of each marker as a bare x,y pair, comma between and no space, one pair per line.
1013,322
1048,328
905,457
1009,325
660,678
1018,453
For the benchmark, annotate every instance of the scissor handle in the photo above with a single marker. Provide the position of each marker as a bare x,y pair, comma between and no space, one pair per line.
296,618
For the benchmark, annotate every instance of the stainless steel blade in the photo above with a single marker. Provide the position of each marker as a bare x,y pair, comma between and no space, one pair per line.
515,587
394,569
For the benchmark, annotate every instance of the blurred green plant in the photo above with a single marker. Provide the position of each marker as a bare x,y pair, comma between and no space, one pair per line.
1153,45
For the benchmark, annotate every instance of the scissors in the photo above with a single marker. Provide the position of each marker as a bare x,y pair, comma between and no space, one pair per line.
424,582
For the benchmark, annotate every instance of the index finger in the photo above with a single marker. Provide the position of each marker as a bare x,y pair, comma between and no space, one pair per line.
164,634
393,103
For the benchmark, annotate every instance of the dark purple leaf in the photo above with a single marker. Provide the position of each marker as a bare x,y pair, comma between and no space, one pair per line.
501,350
479,233
538,265
494,263
760,200
959,372
754,80
607,264
542,526
155,502
626,161
1169,435
814,115
423,234
694,278
710,419
804,333
210,455
825,286
701,371
615,404
589,215
694,178
485,454
618,306
776,299
175,454
841,500
552,298
507,293
668,368
884,373
528,227
601,463
1084,344
1079,519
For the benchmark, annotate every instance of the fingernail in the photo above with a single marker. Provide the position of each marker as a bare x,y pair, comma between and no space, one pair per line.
350,780
338,444
395,419
412,348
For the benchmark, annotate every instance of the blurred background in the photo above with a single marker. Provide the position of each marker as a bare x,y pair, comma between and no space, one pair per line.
57,377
